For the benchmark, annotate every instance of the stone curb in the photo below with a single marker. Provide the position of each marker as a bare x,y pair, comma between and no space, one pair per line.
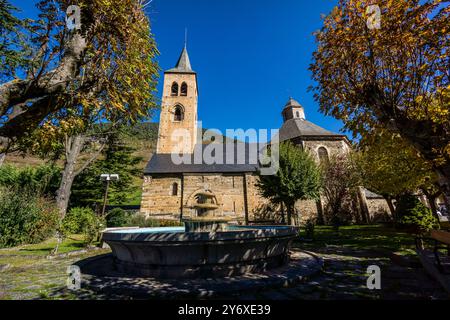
72,253
4,267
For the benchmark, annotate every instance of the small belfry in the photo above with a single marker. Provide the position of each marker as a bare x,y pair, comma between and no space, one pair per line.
293,110
178,121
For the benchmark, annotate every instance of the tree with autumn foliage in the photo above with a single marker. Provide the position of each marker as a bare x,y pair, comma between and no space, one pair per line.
391,167
396,77
74,79
340,186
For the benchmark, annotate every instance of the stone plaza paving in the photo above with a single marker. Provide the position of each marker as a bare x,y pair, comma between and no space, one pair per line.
338,273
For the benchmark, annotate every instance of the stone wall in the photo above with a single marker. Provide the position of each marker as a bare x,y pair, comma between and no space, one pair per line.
306,209
228,189
157,199
333,147
378,209
256,202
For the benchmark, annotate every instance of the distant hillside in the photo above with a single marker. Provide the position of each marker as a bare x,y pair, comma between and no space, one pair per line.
142,137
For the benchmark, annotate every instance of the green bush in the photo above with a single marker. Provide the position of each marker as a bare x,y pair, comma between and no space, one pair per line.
83,221
42,179
309,228
412,213
139,220
117,217
25,218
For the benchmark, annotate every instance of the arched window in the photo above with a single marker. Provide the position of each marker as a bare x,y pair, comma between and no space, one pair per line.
298,114
174,91
323,155
184,89
178,114
175,189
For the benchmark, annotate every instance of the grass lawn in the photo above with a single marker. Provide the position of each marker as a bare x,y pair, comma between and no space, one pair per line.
71,243
30,275
375,237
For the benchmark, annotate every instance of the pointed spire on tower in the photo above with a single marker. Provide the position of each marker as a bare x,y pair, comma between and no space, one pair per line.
184,64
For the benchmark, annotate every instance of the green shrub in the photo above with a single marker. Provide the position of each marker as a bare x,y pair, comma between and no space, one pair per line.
309,228
117,217
25,218
42,179
139,220
83,221
412,213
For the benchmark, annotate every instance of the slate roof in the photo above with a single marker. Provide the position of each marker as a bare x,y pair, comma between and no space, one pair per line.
183,65
292,103
296,127
247,161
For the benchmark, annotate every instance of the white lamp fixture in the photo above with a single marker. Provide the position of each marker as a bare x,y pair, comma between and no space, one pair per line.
109,177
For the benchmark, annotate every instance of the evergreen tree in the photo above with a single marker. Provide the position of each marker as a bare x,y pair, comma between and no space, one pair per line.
88,189
12,48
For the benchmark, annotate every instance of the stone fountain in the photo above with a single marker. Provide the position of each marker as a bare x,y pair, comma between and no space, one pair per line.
207,246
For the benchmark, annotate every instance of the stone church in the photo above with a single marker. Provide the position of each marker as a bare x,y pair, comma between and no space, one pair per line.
191,189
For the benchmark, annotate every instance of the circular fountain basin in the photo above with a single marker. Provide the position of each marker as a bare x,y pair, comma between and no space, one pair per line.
174,253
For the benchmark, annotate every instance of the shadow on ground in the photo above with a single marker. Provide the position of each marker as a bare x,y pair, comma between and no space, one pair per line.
343,277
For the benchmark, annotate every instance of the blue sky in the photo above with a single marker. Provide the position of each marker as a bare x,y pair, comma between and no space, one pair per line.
250,56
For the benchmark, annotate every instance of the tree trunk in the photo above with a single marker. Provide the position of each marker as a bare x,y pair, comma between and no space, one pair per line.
432,202
283,220
356,210
365,214
391,208
390,205
320,216
290,212
73,151
444,186
3,148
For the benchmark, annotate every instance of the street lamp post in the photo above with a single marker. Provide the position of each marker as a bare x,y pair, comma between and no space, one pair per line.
107,178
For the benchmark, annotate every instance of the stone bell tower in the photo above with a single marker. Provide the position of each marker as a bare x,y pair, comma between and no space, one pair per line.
178,122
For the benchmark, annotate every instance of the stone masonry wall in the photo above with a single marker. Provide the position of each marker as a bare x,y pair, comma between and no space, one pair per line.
228,189
157,199
158,202
378,209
